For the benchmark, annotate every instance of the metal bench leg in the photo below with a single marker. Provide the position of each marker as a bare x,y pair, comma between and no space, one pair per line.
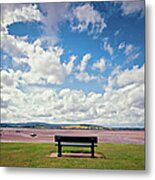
59,150
92,150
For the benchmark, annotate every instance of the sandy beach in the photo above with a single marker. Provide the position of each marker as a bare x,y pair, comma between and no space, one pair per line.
47,135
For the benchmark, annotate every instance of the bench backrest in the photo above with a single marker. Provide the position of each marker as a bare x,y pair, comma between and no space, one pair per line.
78,139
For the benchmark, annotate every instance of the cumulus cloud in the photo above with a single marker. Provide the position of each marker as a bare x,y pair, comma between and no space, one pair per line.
100,64
121,103
87,16
12,13
126,104
130,7
123,106
54,15
107,47
49,16
84,62
44,65
9,78
125,96
120,78
85,77
132,52
69,67
13,46
19,13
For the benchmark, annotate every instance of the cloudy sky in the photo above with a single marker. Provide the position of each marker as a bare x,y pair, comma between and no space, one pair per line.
73,63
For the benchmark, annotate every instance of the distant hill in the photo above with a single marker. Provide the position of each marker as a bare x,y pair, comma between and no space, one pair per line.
42,125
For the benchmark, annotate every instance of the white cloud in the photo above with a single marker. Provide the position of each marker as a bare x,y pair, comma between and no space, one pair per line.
6,78
134,56
49,16
121,104
13,46
55,14
132,7
100,64
116,107
117,32
69,67
87,16
135,75
124,95
120,78
9,78
129,49
85,77
132,52
126,105
12,13
84,62
107,47
45,66
121,45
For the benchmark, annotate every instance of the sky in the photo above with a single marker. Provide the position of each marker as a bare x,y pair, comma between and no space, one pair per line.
80,62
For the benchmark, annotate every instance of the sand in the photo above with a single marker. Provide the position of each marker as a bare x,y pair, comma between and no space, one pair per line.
47,135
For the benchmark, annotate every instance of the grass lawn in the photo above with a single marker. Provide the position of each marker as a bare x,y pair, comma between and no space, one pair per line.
115,156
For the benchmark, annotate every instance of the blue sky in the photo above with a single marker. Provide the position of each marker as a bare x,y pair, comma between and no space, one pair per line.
83,49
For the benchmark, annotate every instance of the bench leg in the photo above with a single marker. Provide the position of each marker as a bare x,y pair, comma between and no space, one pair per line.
92,151
59,151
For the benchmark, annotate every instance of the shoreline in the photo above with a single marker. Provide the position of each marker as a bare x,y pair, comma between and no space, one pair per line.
47,135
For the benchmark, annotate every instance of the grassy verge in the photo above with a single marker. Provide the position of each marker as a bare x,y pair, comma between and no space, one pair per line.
115,156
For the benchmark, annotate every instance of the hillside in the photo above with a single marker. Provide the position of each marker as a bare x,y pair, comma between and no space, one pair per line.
41,125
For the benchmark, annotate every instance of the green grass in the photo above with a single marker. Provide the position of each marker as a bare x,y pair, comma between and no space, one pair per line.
114,156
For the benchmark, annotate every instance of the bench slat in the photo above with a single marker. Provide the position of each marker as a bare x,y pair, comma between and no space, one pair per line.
76,139
76,144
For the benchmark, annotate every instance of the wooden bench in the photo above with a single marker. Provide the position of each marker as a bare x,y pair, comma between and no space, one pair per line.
80,141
